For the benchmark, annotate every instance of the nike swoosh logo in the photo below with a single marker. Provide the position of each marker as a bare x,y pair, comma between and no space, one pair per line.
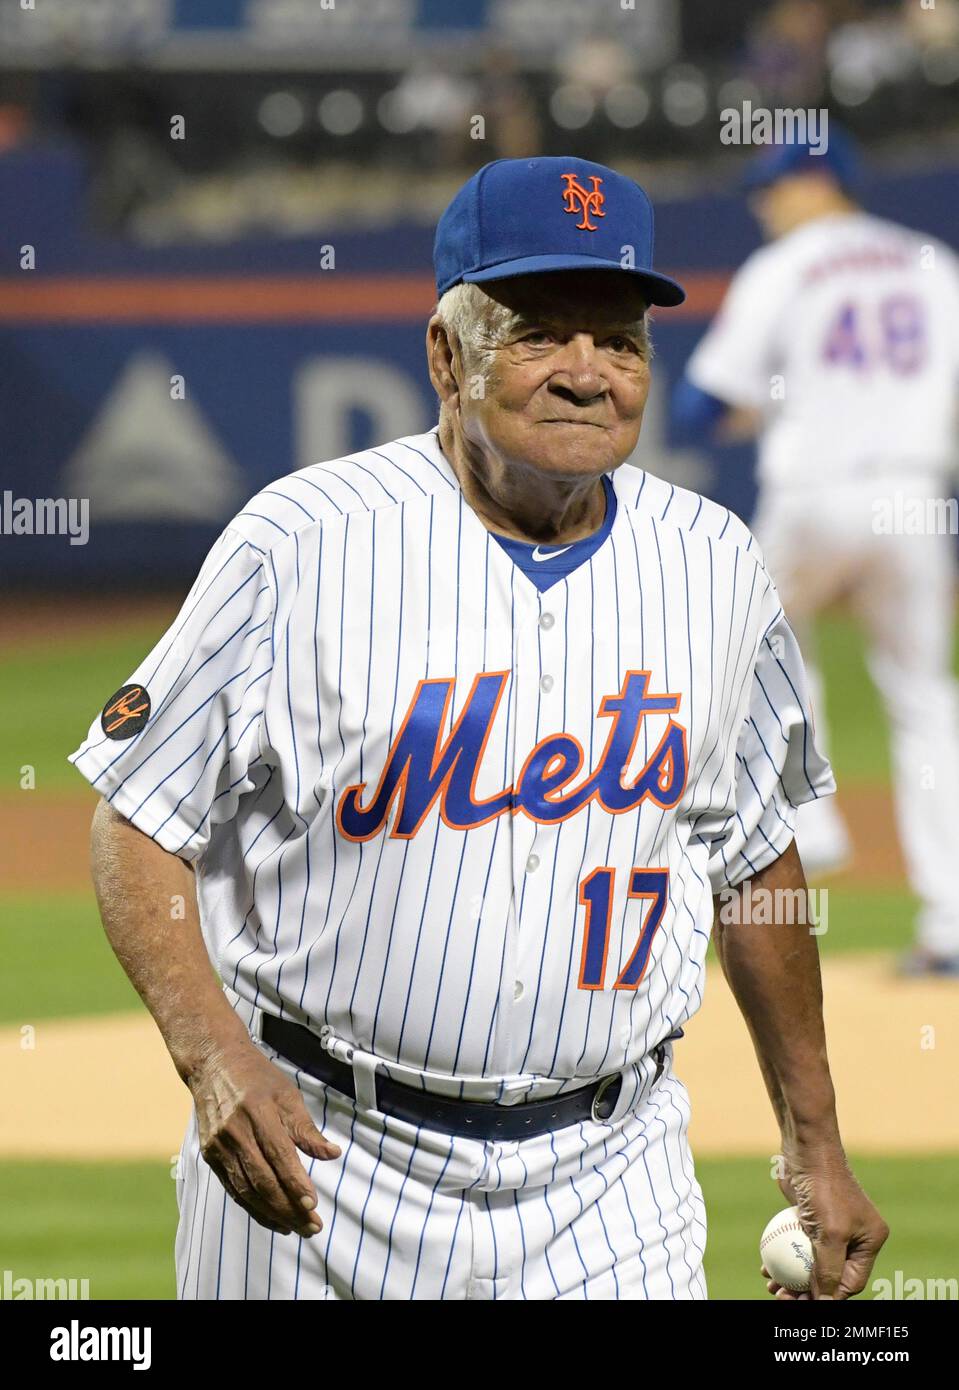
550,554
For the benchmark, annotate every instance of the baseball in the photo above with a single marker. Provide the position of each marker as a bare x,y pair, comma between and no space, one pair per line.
786,1251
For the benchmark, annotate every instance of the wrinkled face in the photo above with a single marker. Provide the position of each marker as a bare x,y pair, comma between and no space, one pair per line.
563,373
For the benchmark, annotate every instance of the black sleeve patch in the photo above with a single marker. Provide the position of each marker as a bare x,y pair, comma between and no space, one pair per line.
126,712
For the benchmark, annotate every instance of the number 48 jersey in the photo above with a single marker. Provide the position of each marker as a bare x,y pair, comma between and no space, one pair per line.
843,334
471,827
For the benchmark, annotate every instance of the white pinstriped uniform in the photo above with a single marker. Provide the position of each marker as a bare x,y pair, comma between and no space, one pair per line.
447,936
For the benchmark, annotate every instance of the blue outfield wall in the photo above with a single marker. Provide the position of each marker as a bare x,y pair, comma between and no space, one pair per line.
86,408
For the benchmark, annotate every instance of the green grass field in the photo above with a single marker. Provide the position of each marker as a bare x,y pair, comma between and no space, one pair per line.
114,1223
111,1223
912,1192
50,696
56,955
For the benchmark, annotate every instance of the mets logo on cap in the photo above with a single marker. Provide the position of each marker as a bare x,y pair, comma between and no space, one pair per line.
586,201
554,212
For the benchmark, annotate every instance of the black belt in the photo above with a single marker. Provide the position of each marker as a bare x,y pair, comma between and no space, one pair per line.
449,1115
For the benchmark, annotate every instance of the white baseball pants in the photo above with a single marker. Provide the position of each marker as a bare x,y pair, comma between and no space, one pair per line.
595,1211
829,544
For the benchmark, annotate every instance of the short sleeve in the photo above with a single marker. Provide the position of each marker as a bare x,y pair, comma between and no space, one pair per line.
738,354
181,769
778,766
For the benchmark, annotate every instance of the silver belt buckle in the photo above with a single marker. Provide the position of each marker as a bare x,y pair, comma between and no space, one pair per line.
601,1090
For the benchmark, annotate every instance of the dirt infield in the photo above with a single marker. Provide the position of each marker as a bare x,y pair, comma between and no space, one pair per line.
93,1088
104,1088
36,620
60,824
892,1050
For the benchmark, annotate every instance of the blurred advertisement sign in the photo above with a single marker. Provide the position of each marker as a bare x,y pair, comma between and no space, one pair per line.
54,28
237,32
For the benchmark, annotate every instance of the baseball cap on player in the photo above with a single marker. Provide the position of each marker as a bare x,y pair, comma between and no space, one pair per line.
837,155
524,216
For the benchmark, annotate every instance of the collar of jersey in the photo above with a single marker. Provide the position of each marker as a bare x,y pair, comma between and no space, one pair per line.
562,557
567,558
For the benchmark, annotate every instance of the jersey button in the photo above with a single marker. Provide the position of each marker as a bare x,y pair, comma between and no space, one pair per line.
518,990
532,864
546,621
546,684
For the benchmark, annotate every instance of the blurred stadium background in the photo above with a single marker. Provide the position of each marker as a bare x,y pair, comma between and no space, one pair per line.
237,197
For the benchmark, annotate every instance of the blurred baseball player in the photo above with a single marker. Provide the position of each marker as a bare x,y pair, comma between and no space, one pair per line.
454,741
839,342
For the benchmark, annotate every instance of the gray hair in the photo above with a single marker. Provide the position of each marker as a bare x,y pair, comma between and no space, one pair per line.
480,324
475,321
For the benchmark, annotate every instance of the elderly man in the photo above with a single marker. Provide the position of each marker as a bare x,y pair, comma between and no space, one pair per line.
447,753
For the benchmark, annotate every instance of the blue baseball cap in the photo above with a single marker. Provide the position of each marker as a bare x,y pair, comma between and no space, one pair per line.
838,156
524,216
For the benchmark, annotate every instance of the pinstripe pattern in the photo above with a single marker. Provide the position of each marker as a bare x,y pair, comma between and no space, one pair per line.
593,1212
454,952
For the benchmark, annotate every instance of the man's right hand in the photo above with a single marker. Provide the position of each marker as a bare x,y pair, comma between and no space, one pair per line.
251,1120
251,1117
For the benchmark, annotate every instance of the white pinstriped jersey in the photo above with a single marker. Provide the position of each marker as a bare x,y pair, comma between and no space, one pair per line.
843,334
471,827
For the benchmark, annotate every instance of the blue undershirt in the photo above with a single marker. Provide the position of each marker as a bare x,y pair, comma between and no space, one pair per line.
545,565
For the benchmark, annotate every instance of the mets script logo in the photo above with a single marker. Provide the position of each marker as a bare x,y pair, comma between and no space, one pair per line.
423,767
126,712
576,198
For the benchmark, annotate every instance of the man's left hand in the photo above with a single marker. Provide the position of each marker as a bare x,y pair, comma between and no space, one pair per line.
845,1228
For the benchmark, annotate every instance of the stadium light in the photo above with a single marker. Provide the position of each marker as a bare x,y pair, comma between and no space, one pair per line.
572,106
340,112
627,105
281,114
685,96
